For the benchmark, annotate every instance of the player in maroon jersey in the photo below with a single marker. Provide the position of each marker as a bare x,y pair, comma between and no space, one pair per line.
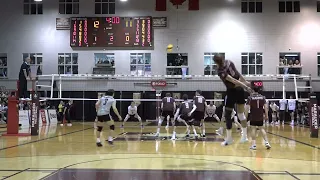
235,84
185,114
259,112
168,107
201,104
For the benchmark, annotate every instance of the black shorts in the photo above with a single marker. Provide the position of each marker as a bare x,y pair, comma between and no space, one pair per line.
104,118
234,96
167,113
198,115
256,123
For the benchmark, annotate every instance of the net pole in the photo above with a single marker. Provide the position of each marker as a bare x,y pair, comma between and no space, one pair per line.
52,79
60,87
158,97
295,86
283,87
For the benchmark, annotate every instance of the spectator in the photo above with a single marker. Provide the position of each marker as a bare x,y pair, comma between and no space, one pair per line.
24,75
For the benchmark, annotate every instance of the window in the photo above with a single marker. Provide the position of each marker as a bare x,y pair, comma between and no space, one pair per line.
32,7
68,6
140,64
289,63
68,63
210,68
318,6
36,61
105,7
3,65
177,64
104,63
289,6
251,63
251,6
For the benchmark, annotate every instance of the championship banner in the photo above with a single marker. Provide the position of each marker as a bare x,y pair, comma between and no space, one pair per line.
24,118
313,116
34,115
52,114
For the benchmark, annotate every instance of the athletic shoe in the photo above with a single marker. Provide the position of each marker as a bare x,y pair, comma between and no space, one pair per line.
167,126
61,124
253,147
268,146
226,143
69,124
187,136
157,134
203,135
110,143
243,139
99,144
173,138
282,122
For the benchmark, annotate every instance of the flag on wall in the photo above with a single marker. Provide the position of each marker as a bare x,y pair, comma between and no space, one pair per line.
161,5
194,5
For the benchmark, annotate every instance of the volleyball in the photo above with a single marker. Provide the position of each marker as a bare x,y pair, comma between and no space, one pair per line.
169,48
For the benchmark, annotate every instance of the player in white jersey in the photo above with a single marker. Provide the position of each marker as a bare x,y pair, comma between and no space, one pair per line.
291,109
274,108
211,113
282,110
103,107
132,113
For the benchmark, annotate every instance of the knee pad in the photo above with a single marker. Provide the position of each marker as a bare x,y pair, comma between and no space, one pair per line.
99,128
160,121
228,118
241,116
112,127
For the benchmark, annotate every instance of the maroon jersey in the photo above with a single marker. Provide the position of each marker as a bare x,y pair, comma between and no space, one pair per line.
185,108
199,101
168,104
256,102
228,69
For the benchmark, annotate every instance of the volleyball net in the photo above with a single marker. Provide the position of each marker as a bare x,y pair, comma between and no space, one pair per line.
147,91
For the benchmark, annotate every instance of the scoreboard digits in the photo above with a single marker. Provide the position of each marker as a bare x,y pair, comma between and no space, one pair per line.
112,32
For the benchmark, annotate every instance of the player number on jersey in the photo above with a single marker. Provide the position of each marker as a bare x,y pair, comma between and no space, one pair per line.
105,101
168,100
199,100
187,105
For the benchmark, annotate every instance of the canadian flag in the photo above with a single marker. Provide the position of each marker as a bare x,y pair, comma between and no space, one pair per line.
161,5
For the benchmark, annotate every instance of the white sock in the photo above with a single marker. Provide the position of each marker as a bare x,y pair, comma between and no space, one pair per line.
253,142
229,132
110,138
244,130
98,140
158,130
195,132
174,134
203,131
188,131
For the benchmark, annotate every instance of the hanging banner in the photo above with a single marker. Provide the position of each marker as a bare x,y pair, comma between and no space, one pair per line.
43,116
159,22
137,96
62,23
217,96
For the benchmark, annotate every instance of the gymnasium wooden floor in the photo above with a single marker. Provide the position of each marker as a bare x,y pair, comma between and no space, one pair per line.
61,153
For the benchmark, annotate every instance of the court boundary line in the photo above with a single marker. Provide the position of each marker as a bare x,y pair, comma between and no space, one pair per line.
19,172
291,175
39,140
310,145
57,171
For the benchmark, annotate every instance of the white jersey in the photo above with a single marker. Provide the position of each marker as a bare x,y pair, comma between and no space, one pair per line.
274,107
292,104
106,103
283,104
211,110
132,110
